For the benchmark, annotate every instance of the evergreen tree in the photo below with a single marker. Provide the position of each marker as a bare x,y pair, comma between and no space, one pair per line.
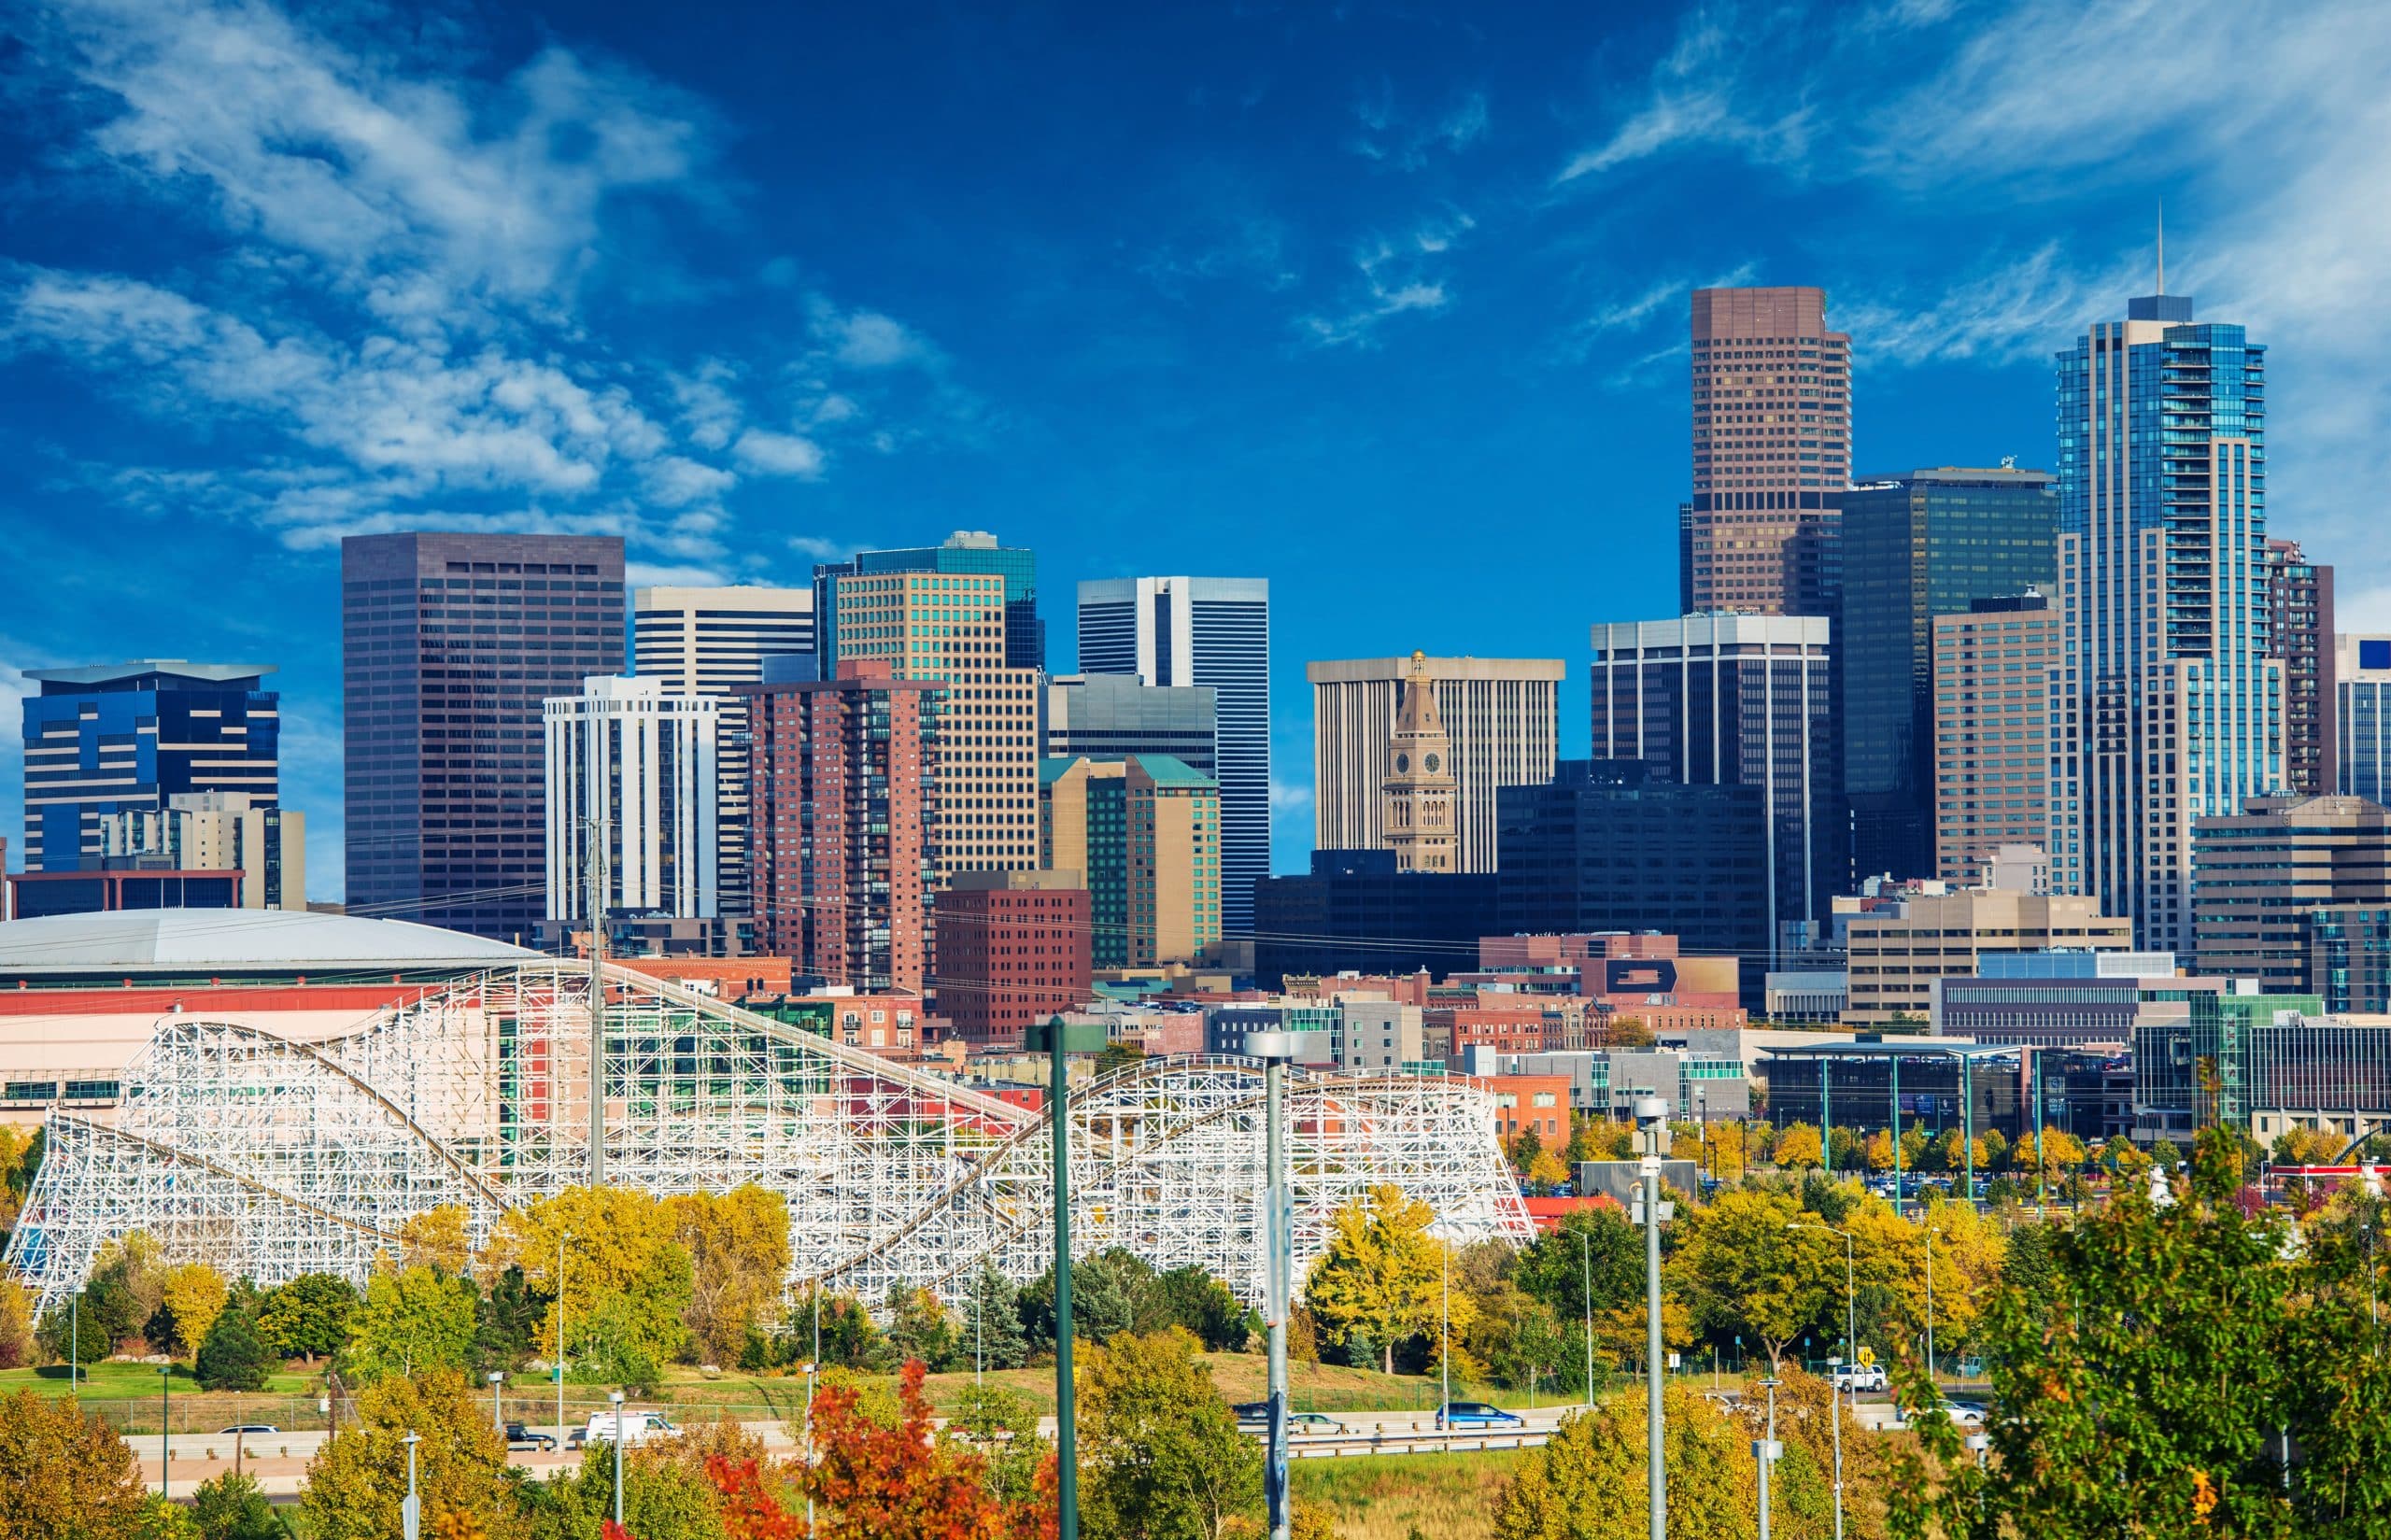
992,1324
234,1508
234,1356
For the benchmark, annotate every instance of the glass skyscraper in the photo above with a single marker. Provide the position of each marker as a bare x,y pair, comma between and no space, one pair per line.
2362,698
1915,546
965,551
2169,706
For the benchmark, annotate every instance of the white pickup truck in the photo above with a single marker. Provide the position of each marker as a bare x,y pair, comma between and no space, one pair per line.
637,1428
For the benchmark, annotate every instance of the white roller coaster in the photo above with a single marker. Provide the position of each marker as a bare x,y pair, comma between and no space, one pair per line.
269,1158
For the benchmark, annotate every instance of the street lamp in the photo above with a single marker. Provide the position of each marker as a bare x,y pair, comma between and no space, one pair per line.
1276,1050
165,1476
497,1413
1652,1121
616,1399
562,1236
1930,1230
1834,1414
1586,1261
1767,1451
1057,1038
1702,1114
411,1511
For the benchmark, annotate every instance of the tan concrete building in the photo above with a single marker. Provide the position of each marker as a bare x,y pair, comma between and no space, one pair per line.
950,628
1991,730
1144,831
1501,719
1897,954
2256,871
218,831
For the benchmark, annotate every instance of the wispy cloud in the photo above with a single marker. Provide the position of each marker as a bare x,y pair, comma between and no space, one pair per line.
1397,278
1411,141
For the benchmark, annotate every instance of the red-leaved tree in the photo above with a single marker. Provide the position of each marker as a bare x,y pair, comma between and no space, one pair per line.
749,1510
901,1483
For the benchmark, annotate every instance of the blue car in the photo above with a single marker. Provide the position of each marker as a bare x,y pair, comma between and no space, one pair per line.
1476,1413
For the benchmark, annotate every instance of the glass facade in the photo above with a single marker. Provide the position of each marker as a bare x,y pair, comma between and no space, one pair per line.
1858,1090
2275,1064
965,551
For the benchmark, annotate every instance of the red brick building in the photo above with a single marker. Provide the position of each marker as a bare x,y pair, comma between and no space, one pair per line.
842,792
1012,949
1525,1102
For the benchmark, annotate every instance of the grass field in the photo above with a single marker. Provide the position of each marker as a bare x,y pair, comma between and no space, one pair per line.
1397,1497
133,1382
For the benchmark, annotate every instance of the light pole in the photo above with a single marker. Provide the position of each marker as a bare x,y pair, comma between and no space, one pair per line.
615,1398
497,1412
562,1236
1834,1415
1276,1050
1586,1261
411,1511
1652,1121
1444,1330
1058,1039
1930,1301
1850,1310
1702,1113
1766,1451
74,1347
165,1476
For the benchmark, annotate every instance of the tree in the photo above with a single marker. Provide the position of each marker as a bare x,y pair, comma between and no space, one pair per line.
437,1238
1199,1304
919,1327
234,1356
1380,1276
1630,1032
507,1322
1525,1148
1587,1481
357,1479
61,1473
1880,1151
234,1508
1514,1336
189,1297
1002,1428
307,1317
875,1481
627,1285
1742,1271
738,1246
414,1320
2306,1147
1797,1144
126,1287
994,1324
1591,1247
1546,1172
664,1497
17,1340
1160,1455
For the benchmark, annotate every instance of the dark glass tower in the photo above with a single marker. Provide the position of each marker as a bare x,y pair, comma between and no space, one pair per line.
449,644
1915,546
964,551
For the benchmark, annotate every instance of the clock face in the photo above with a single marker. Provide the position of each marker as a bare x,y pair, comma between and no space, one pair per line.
1433,764
1403,764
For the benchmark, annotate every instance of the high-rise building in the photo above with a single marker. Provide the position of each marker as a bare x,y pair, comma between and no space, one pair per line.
2362,736
1144,833
966,551
1418,817
1917,546
2299,623
949,628
1108,716
640,768
844,792
216,831
1214,632
2171,701
2257,870
1897,952
1354,912
131,737
1012,949
1991,727
1500,715
1727,700
1771,453
710,642
450,645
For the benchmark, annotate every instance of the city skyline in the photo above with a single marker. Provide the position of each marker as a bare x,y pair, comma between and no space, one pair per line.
1411,332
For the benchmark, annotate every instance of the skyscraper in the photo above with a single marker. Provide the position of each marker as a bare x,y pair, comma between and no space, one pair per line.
2362,691
2171,704
1144,832
450,645
972,551
710,642
1212,631
1917,546
643,765
1771,453
1111,714
1419,815
1500,715
1748,700
2299,622
1991,731
131,737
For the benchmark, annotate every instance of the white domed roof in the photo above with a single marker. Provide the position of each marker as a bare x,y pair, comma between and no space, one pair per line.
152,939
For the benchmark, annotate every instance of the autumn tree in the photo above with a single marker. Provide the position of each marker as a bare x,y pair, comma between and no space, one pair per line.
189,1296
127,1284
62,1472
357,1479
628,1282
664,1497
1797,1145
413,1320
739,1250
1379,1277
1160,1454
233,1506
307,1317
876,1480
437,1238
1587,1482
18,1341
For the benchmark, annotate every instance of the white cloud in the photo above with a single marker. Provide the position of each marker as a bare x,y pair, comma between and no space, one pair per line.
771,453
676,482
1390,136
1287,795
1396,279
822,548
866,339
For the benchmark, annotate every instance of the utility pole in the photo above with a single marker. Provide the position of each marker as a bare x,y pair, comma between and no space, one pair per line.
599,882
1586,1264
1274,1049
1834,1413
1767,1451
1652,1121
562,1236
411,1511
1058,1037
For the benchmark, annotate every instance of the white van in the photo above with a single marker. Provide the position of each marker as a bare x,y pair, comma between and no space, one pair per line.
637,1428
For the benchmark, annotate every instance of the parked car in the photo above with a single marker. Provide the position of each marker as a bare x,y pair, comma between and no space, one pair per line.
521,1437
1252,1414
252,1428
1964,1414
1313,1422
1860,1377
1476,1413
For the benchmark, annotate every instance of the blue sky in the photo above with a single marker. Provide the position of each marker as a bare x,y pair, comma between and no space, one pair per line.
1383,302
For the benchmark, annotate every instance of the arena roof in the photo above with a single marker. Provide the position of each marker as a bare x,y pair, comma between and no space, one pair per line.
186,940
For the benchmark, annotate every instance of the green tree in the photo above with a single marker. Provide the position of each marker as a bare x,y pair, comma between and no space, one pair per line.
663,1498
506,1323
991,1322
307,1317
413,1321
127,1284
1195,1301
234,1356
1588,1482
233,1506
919,1327
1380,1277
1160,1455
1002,1427
358,1479
62,1472
1590,1247
1741,1271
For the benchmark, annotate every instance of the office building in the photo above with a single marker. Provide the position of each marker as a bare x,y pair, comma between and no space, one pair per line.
1214,633
2170,704
450,645
2348,953
2254,872
845,788
950,628
1012,949
1608,845
131,737
710,642
1771,453
2299,623
1378,1037
1726,699
2362,736
1500,716
1144,834
635,771
1990,720
2279,1062
1898,952
966,551
1417,817
1353,912
1932,1087
1107,716
1916,547
216,831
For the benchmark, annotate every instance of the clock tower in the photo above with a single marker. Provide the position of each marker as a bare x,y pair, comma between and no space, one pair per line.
1418,786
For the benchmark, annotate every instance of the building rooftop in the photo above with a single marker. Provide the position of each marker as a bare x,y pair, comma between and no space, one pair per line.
96,674
236,939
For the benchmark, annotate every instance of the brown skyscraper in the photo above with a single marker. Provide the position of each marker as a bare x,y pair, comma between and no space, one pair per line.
2300,631
1771,453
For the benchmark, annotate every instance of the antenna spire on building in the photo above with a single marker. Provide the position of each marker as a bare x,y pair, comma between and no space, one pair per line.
2162,245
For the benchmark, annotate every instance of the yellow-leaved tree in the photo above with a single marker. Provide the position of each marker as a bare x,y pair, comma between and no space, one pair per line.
1797,1144
738,1246
192,1296
1381,1280
626,1287
437,1238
